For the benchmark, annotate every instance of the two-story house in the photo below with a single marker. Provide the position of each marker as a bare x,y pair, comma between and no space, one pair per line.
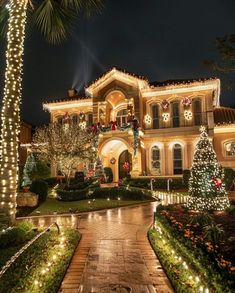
169,114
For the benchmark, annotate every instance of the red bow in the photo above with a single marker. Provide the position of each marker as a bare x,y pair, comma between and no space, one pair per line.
218,182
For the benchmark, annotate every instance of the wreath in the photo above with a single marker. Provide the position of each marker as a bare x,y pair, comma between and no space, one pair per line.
165,104
186,102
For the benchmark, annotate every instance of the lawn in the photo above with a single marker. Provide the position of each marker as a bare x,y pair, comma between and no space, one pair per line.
52,205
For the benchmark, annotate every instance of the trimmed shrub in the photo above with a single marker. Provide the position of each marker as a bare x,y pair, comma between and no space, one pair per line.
78,186
72,195
79,176
12,237
109,174
42,170
51,181
40,187
229,177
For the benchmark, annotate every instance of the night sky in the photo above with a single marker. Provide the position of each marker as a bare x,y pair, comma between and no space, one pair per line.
157,39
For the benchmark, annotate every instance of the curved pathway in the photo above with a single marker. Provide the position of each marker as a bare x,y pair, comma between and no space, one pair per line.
114,254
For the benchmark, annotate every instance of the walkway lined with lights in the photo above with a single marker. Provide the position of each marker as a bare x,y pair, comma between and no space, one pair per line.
114,254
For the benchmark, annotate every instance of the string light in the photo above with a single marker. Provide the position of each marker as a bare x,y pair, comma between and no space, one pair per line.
10,114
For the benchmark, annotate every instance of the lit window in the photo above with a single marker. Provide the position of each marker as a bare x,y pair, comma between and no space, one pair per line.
155,115
176,114
59,120
230,148
74,118
197,112
177,159
156,159
121,117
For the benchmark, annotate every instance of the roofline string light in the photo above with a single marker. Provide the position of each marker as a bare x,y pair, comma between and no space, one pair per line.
10,113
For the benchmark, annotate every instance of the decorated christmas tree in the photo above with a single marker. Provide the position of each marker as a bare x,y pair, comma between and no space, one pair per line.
206,183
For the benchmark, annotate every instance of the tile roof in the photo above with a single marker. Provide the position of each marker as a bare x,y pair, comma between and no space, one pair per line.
224,115
179,81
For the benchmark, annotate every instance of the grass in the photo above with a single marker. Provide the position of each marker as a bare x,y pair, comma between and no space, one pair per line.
52,205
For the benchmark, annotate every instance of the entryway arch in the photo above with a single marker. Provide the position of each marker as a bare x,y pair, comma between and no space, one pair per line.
110,152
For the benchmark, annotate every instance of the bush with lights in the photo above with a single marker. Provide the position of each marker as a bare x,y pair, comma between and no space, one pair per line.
206,183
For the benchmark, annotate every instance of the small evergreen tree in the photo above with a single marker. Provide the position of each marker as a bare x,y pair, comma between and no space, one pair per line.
206,183
29,169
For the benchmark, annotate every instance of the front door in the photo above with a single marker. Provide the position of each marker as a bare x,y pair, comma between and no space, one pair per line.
125,156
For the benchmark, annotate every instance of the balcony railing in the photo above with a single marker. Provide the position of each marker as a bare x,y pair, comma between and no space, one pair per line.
186,120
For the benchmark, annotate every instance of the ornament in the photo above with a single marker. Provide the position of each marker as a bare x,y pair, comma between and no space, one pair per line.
165,117
126,166
113,125
165,104
186,102
113,161
218,182
188,115
147,119
81,116
82,124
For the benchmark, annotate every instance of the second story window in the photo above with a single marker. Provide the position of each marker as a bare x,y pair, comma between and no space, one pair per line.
74,118
155,116
175,114
59,120
230,148
89,119
121,117
197,112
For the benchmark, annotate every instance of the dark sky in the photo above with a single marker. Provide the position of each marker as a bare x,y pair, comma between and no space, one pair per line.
158,39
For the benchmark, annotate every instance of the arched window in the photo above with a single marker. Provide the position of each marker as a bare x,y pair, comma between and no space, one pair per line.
59,120
197,112
177,159
74,118
156,159
121,117
230,148
89,119
175,114
155,116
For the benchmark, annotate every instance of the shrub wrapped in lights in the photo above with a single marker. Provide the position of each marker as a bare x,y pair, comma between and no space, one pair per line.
205,193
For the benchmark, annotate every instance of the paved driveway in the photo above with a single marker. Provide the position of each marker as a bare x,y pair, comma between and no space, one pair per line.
114,254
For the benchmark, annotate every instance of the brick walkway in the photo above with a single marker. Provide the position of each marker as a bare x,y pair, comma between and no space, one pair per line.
114,255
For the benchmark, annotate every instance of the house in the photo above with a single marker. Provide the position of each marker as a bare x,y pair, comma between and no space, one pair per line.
169,116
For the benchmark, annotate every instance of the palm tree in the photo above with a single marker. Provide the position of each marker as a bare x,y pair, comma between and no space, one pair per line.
54,19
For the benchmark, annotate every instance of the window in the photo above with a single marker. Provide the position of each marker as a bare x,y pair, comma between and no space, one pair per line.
59,120
230,148
176,114
156,160
197,112
177,159
155,115
89,119
74,118
121,117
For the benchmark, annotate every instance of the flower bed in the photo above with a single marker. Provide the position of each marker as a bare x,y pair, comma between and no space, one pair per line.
42,266
192,263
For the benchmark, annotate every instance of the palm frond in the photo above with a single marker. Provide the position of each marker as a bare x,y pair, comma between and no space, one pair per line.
75,5
91,7
4,15
53,20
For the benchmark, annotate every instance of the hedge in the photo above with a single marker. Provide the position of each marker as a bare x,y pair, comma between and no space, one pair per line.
28,268
105,192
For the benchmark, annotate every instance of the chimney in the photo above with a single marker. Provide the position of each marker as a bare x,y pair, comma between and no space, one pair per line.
72,92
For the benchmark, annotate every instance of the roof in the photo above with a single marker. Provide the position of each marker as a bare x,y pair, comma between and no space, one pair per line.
68,99
113,74
180,81
224,115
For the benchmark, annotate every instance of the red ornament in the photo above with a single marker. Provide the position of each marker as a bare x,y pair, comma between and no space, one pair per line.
218,182
126,166
113,125
94,128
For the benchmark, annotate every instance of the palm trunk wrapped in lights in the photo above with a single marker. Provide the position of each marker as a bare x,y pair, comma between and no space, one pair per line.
10,114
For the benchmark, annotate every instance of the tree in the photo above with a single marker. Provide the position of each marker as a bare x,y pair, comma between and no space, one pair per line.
65,146
206,183
54,19
29,169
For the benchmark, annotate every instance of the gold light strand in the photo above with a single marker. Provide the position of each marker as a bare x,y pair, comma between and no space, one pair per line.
10,114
